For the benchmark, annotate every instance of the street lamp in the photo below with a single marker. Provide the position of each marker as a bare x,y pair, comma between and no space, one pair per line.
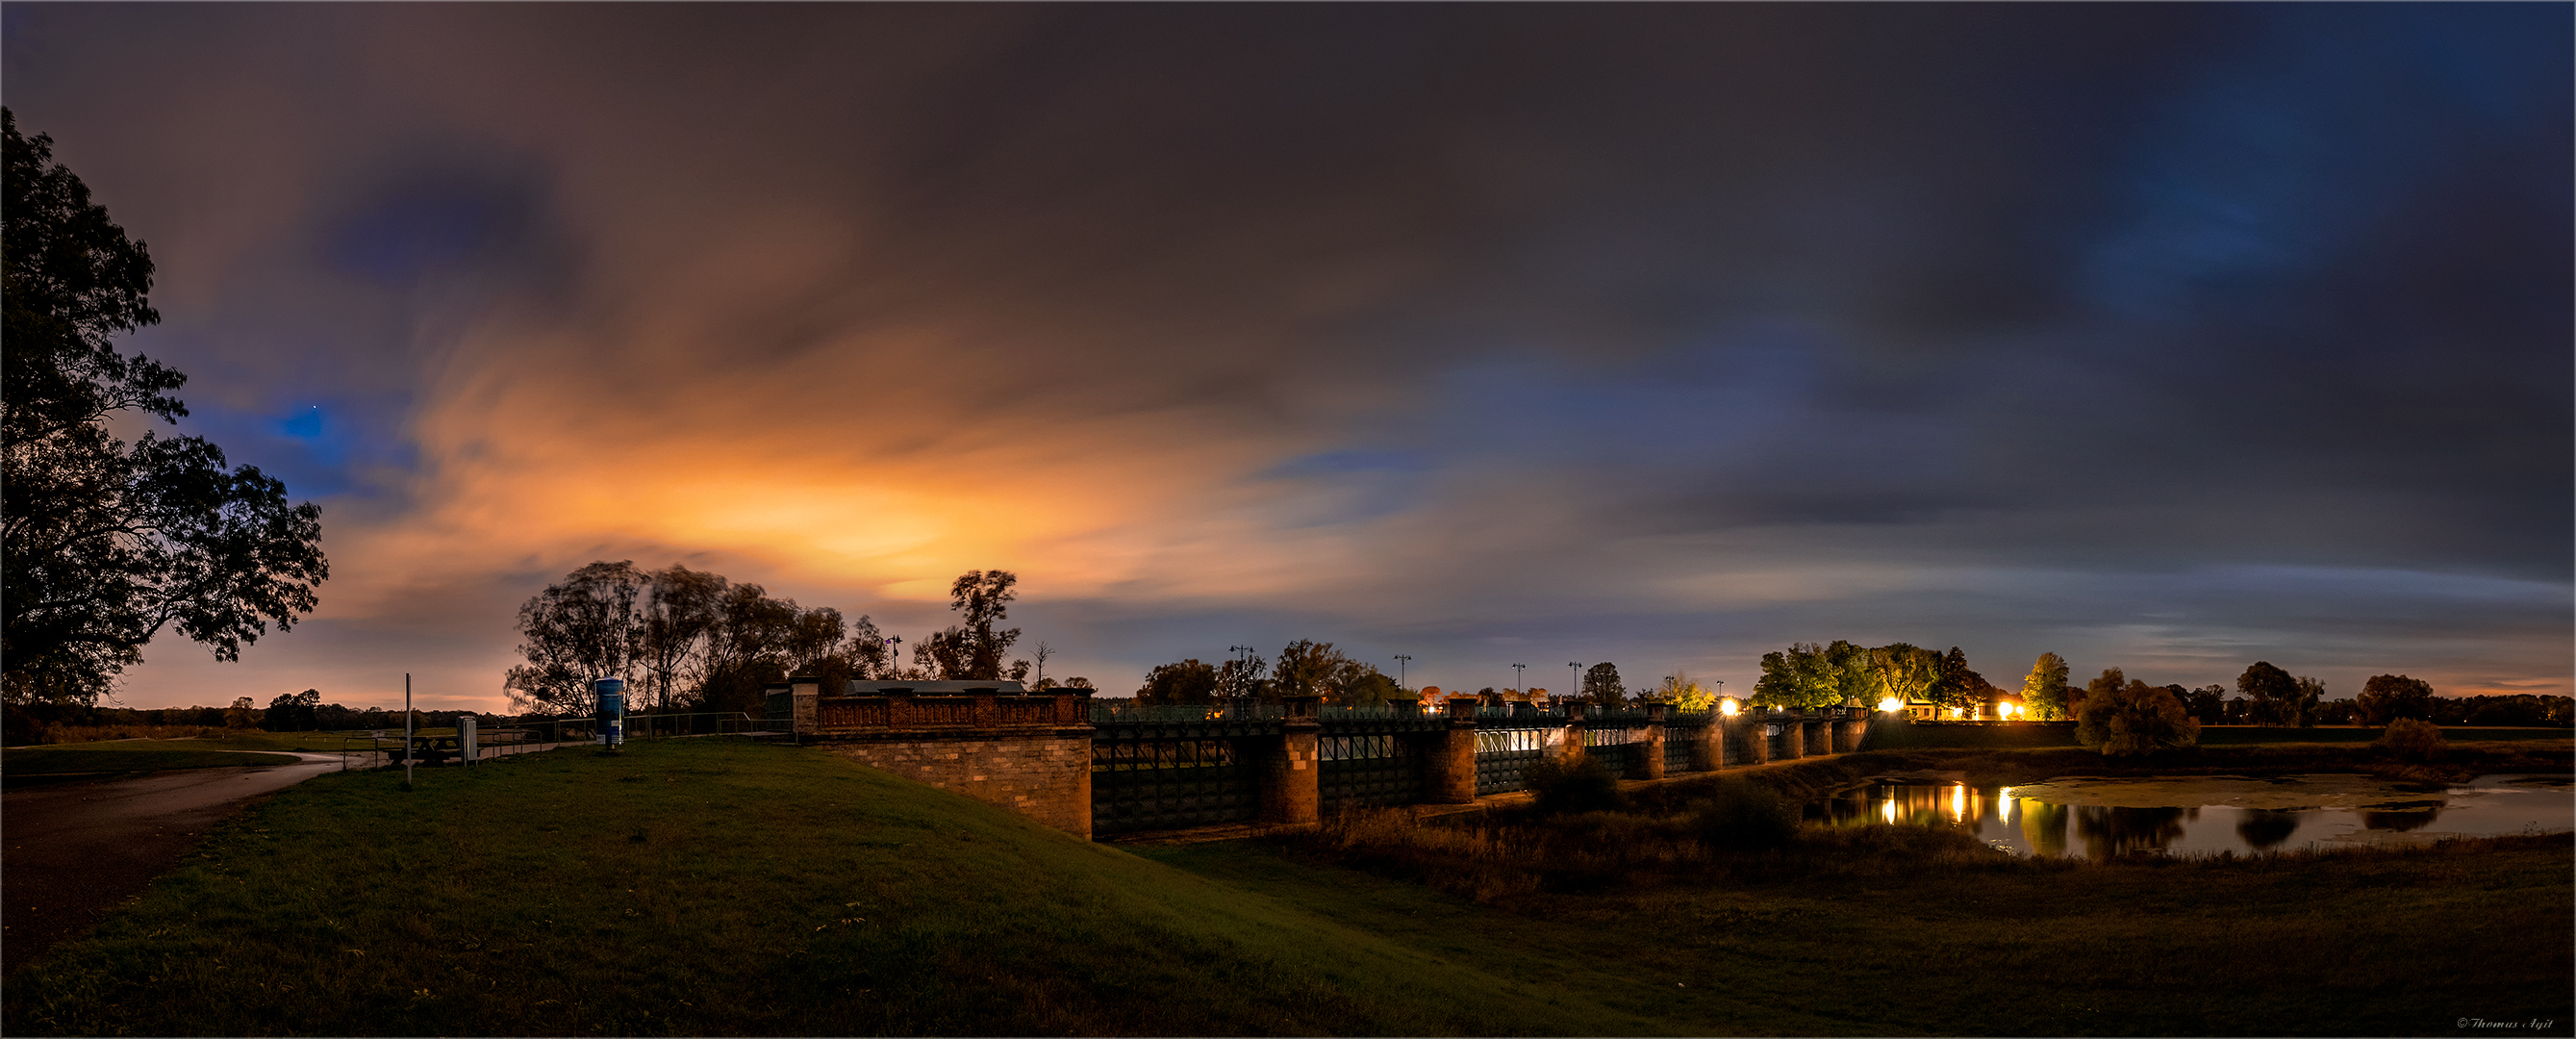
1400,661
1577,688
1516,676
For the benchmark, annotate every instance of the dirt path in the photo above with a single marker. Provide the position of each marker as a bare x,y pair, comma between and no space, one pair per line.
76,850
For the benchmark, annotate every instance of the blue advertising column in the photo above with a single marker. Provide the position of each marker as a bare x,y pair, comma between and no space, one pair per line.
612,711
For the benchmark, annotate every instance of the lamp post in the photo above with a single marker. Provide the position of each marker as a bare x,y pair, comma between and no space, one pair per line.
1516,677
1400,661
1575,690
894,656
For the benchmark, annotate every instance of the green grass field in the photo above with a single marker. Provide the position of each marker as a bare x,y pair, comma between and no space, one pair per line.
2378,944
706,887
137,756
720,887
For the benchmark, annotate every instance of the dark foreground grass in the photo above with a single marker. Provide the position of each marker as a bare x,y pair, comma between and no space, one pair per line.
718,887
54,761
2386,942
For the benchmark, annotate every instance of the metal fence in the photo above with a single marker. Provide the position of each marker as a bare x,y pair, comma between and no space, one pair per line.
1369,769
1179,770
1503,755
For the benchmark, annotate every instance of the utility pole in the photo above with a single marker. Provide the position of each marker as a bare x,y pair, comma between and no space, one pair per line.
1400,661
410,753
1516,677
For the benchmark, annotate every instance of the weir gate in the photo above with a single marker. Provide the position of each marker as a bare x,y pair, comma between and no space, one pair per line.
1101,770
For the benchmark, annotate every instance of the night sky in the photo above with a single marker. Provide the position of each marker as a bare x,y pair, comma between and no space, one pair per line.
2161,337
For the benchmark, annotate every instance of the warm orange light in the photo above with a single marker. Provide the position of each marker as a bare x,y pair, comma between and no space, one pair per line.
1891,705
1727,708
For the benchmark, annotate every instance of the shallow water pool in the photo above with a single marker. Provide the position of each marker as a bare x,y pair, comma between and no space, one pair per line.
2203,815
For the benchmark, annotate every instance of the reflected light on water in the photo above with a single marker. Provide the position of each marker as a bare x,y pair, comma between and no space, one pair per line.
2004,806
1888,809
1959,803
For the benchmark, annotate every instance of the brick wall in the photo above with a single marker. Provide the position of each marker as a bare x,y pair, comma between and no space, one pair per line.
1044,776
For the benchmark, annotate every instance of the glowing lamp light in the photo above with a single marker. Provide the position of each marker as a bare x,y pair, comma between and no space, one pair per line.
2005,710
1891,705
1727,708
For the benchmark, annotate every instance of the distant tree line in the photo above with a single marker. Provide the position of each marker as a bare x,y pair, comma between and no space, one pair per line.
288,712
1809,675
1304,668
693,640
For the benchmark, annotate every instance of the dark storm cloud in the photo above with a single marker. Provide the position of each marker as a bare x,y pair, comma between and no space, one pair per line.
1664,332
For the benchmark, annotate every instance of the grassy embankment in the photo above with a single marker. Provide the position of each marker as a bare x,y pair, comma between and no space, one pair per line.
1889,930
707,887
723,888
1922,930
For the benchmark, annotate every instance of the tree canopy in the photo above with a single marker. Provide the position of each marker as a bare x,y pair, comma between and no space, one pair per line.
107,542
1186,682
2128,718
974,649
2044,691
1810,675
2280,699
1601,685
682,638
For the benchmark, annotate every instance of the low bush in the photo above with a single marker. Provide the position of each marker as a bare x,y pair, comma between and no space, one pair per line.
2412,739
1582,784
1744,816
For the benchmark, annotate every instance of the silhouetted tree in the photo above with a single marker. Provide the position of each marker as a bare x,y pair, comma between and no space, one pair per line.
1601,685
1956,685
1186,682
2311,693
292,712
1242,679
2275,693
678,606
107,543
974,650
2386,698
578,629
2207,703
1304,668
2132,719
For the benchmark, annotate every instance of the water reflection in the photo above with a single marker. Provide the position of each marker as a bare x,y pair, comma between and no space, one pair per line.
2113,832
2200,815
2265,828
2402,816
2043,827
